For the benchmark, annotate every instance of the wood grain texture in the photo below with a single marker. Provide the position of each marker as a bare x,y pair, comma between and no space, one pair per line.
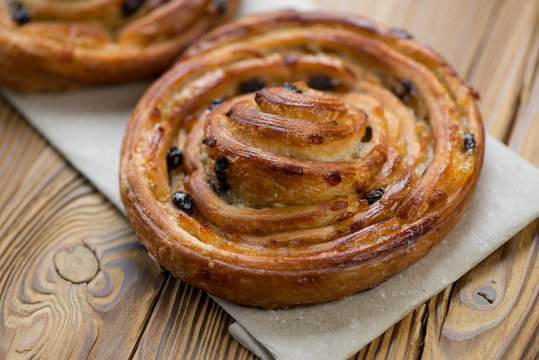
190,325
492,312
403,340
525,132
455,29
130,308
49,211
498,70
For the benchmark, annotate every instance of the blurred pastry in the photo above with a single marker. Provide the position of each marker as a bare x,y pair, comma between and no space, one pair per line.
59,44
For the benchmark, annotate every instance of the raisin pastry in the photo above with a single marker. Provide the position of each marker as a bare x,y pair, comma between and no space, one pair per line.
294,158
61,44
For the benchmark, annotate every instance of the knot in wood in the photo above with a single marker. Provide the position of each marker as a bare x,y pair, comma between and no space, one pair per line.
77,266
486,295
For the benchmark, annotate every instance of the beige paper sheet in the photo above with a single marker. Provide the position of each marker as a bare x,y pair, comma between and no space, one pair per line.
87,127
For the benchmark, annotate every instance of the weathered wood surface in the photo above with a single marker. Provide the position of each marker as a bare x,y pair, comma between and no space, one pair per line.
119,304
74,280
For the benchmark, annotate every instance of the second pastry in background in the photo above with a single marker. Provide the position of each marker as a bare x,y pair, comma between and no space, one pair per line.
57,45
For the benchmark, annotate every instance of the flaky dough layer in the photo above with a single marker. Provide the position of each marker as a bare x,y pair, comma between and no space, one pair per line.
321,154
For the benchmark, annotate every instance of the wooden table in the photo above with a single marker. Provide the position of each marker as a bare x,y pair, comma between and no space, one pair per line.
118,304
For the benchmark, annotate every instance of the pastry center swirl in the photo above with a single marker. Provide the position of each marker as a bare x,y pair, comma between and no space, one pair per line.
292,158
283,145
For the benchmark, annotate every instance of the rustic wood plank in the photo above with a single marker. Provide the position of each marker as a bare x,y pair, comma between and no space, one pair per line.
498,298
453,28
498,71
188,324
99,305
525,132
493,310
401,341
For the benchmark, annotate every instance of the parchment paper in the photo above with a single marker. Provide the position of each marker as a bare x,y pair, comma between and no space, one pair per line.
87,127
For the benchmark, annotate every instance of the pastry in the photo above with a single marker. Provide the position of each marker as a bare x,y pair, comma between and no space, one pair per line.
60,44
294,158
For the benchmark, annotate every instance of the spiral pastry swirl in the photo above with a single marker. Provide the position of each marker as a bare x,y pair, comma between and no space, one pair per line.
294,158
60,44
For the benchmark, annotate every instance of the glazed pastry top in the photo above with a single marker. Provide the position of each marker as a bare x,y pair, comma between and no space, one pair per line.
309,142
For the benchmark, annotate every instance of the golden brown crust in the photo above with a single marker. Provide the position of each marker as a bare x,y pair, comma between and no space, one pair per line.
309,190
61,44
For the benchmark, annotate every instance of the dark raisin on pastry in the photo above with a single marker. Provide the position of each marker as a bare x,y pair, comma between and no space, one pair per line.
469,142
220,166
403,89
130,7
174,158
320,82
221,6
374,195
291,87
251,85
215,102
20,14
183,200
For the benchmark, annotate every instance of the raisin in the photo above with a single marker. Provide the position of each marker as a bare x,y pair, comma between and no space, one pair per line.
368,135
174,158
402,33
374,195
469,141
320,82
221,6
357,225
291,87
220,166
403,89
215,102
130,7
209,141
20,14
223,185
183,200
251,85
